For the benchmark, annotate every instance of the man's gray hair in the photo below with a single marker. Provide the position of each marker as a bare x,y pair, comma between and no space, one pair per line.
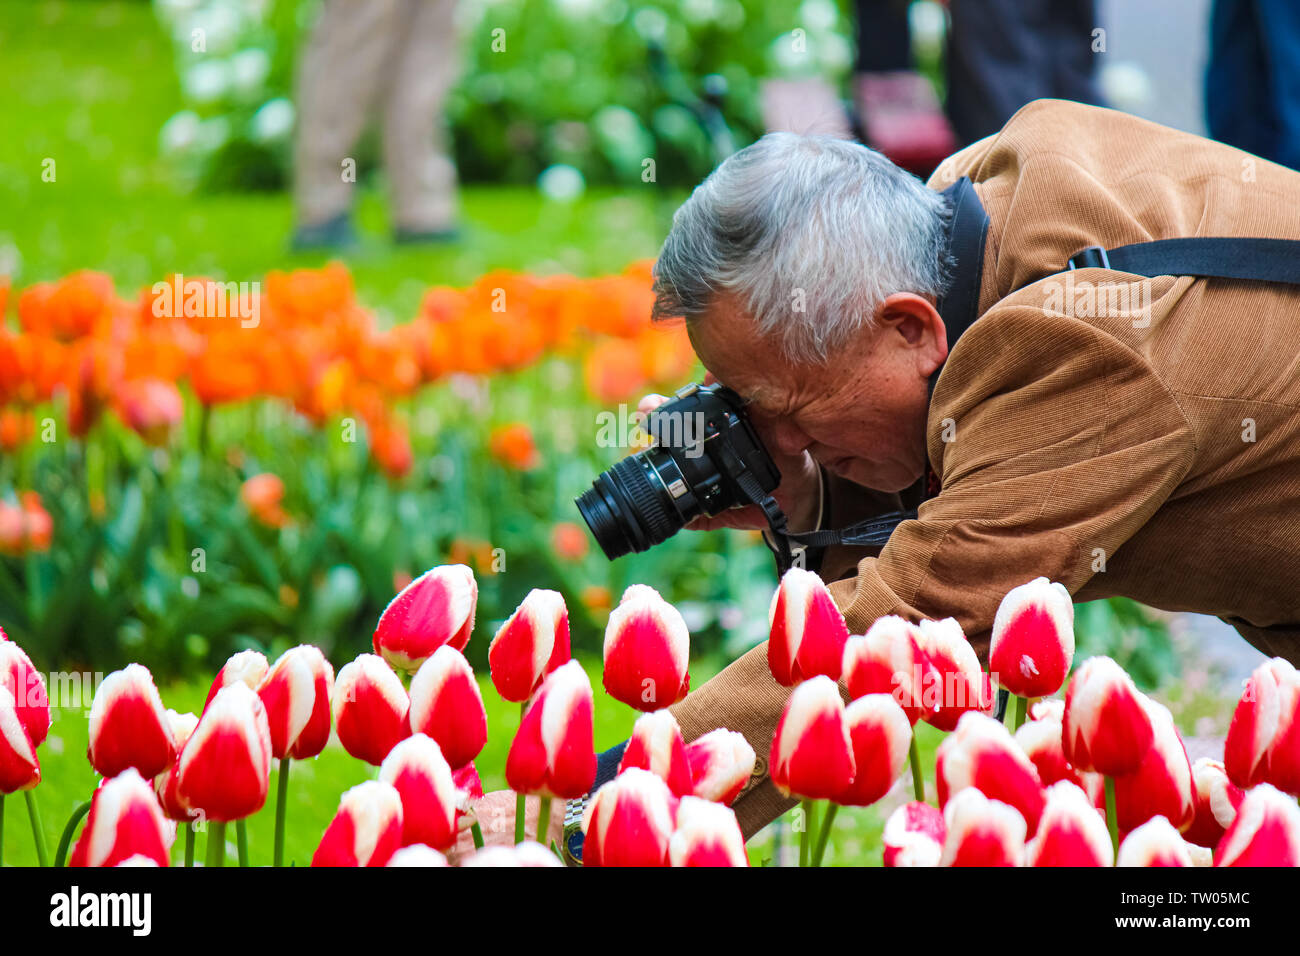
811,233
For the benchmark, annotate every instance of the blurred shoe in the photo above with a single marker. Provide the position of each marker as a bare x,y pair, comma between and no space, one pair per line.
420,237
336,233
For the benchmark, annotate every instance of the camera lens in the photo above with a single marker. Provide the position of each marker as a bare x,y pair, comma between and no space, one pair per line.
628,509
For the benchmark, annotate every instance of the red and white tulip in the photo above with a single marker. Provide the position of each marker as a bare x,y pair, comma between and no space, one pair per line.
125,821
553,752
1266,831
721,763
889,659
1217,801
1106,728
532,643
431,801
436,608
164,785
982,832
418,855
812,752
808,632
1162,785
296,692
914,835
707,834
629,822
1070,831
19,767
647,651
447,705
958,685
1032,644
27,685
656,745
225,767
1040,739
128,725
370,709
527,854
1263,744
1154,843
881,735
244,667
982,754
366,829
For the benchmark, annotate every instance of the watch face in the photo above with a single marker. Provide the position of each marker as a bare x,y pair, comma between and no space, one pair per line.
573,846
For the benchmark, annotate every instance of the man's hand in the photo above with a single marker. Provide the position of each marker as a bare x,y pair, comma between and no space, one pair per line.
496,817
797,494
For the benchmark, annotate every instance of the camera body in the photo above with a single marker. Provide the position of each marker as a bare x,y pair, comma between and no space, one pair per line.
706,458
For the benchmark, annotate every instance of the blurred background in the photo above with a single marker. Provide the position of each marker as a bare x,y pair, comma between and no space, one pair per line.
441,218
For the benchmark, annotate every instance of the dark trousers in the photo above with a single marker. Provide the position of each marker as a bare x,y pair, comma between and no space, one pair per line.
1252,84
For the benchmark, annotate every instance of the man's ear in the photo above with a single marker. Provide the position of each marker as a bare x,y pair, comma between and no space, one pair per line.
917,323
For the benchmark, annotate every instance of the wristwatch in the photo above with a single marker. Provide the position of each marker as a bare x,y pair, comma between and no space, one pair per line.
571,851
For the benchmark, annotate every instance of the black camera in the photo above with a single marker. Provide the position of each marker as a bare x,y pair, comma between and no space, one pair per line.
706,458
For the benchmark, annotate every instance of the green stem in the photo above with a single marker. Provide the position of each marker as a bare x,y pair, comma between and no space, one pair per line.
1112,820
476,832
2,829
520,805
1022,705
241,841
65,841
38,835
216,843
831,810
804,806
189,844
918,779
281,791
543,820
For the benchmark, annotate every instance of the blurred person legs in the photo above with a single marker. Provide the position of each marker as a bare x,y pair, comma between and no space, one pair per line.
359,52
898,111
1004,53
1252,82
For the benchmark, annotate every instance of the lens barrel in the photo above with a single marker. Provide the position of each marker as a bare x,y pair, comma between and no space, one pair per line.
628,509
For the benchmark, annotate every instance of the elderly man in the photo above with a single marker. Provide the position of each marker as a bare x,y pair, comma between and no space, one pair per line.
1121,435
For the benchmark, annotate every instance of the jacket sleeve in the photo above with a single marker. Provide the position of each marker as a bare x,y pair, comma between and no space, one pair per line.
1063,442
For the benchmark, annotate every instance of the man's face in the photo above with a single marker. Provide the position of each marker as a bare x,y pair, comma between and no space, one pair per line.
862,415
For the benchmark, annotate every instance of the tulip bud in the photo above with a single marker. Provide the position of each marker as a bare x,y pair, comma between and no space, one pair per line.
707,834
19,768
366,830
888,660
881,735
27,686
1154,843
647,650
164,785
1040,739
1105,728
225,768
526,854
532,643
446,704
370,709
417,855
914,835
629,822
1217,800
983,755
656,745
1263,744
959,683
436,608
245,667
553,753
125,820
812,753
721,763
1162,785
808,632
296,692
982,832
128,725
1265,833
418,771
1070,831
1032,643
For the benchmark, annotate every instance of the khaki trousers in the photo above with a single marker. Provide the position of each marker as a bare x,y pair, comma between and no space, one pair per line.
392,60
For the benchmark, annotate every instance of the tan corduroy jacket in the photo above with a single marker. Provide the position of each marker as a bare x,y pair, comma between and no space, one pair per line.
1124,436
